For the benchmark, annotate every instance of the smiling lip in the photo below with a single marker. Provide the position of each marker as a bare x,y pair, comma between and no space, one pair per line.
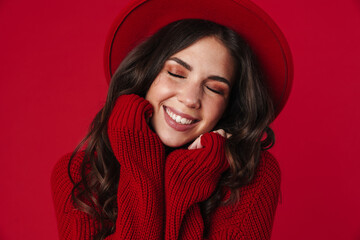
178,126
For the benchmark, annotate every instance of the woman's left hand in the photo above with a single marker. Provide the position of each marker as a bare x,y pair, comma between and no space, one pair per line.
197,143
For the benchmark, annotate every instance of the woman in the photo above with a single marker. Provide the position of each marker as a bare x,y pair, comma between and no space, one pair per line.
178,150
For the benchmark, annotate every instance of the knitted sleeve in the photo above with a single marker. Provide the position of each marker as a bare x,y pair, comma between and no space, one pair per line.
191,177
140,196
141,156
252,217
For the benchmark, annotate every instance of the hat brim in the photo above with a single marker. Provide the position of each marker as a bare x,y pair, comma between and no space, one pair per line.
142,18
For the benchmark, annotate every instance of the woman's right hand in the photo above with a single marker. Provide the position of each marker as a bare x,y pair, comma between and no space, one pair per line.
129,132
141,155
130,112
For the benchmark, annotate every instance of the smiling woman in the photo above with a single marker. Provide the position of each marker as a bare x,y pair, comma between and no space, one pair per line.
179,149
188,95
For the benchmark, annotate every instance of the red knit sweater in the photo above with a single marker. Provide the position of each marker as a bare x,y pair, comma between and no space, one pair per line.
158,197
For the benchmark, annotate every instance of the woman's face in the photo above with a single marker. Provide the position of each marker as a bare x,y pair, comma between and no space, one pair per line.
191,92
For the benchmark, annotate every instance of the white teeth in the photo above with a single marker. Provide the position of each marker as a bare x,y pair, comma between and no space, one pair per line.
178,118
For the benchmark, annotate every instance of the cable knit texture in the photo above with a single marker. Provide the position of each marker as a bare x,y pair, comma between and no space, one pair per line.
158,197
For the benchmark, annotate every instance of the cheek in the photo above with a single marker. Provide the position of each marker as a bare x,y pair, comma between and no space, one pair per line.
151,94
214,112
160,89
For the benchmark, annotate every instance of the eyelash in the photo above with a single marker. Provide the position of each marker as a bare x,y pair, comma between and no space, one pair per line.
179,76
215,91
175,75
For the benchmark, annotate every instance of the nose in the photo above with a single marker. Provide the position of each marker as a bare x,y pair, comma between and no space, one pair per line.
190,95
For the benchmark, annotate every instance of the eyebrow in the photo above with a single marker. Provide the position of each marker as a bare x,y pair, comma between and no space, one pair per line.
188,67
182,63
220,79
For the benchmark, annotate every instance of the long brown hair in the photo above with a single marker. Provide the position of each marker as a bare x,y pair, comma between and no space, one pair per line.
249,112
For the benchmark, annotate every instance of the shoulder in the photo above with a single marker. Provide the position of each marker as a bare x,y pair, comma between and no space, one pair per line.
265,186
60,171
268,170
61,184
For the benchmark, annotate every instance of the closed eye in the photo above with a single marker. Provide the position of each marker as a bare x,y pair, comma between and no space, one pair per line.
215,91
175,75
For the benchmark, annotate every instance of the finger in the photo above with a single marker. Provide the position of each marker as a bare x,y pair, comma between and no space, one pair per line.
223,133
220,132
196,144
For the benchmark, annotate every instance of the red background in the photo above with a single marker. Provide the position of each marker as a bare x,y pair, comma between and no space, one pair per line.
52,83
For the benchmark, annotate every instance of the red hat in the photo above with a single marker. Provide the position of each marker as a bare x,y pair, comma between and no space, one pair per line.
142,18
